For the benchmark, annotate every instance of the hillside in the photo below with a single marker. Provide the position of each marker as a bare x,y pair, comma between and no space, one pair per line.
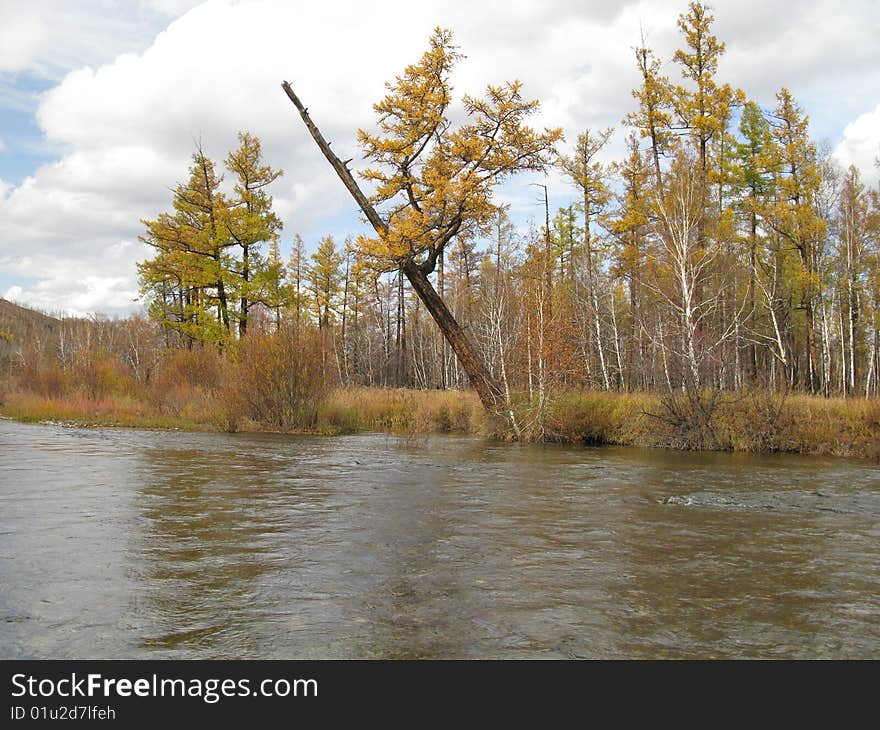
19,325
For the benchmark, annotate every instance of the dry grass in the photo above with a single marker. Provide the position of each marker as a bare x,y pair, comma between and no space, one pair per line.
754,422
598,418
757,422
107,411
402,411
837,426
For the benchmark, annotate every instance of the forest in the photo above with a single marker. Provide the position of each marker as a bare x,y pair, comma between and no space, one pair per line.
716,287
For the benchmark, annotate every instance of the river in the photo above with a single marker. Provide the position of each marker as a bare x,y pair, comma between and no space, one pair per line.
137,544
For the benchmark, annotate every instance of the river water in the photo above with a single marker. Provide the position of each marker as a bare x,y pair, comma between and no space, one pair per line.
135,544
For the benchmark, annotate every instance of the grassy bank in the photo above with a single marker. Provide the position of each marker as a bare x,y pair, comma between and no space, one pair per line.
347,410
112,411
751,422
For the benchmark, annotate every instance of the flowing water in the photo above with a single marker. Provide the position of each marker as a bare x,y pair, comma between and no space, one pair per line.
134,544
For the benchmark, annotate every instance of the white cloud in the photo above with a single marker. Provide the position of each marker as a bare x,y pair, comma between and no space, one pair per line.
172,7
127,127
860,145
47,37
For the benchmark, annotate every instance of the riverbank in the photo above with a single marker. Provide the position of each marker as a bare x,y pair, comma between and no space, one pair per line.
749,422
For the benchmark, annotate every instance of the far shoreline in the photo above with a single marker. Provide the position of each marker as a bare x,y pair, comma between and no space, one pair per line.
801,424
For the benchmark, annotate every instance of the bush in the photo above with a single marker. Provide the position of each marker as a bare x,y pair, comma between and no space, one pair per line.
42,375
689,421
97,375
581,418
338,418
274,379
184,378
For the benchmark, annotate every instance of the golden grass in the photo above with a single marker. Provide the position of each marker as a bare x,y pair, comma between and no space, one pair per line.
109,411
399,410
838,426
752,422
756,422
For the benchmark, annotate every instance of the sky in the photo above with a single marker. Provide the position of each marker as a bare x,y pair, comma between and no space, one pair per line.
103,101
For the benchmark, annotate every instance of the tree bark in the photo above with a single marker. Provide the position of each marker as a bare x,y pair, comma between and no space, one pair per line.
245,275
485,385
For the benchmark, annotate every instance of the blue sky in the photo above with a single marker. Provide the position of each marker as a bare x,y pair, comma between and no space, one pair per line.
24,148
100,101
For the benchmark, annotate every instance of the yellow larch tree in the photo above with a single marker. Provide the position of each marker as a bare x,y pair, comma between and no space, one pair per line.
434,183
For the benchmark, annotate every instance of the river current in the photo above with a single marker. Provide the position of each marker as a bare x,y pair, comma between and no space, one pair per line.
137,544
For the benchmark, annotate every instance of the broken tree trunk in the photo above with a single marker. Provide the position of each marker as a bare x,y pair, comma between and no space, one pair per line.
488,390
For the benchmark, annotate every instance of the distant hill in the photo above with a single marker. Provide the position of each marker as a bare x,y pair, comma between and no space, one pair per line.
19,325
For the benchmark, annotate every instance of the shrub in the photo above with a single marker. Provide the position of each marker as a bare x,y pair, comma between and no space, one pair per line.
337,418
182,379
275,379
97,374
41,375
689,421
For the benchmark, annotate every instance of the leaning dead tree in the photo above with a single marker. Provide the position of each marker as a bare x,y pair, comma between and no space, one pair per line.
433,183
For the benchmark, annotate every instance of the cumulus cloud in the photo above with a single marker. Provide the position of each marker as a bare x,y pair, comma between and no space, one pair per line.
47,38
127,127
860,145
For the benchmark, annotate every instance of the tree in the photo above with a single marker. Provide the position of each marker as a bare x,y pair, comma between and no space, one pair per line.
589,176
270,281
250,220
565,237
752,164
791,213
195,270
853,227
496,301
433,182
296,272
872,259
629,226
190,274
325,280
704,109
681,258
653,118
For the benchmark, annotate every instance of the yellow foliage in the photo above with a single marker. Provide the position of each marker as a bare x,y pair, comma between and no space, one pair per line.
436,182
